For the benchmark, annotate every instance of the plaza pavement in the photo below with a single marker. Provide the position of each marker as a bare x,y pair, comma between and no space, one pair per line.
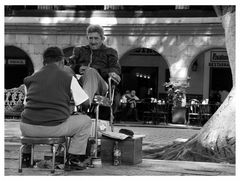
160,135
155,136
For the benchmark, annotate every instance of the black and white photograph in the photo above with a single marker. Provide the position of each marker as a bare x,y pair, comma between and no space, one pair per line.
119,89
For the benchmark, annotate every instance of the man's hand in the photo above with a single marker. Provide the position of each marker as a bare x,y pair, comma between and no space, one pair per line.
112,74
115,76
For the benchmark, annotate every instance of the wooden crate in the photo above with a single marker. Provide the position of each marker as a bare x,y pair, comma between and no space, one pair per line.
131,149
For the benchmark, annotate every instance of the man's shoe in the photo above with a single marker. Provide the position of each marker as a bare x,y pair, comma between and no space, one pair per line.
58,158
74,163
69,166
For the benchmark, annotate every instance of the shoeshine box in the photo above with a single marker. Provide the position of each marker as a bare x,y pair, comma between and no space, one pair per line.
131,149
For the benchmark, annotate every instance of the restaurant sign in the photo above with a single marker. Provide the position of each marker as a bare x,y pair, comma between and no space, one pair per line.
16,62
219,59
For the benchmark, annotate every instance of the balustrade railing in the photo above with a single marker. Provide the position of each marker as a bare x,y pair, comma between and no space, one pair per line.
14,101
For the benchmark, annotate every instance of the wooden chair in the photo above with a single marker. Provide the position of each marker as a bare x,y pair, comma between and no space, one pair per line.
194,112
206,111
148,113
148,117
161,113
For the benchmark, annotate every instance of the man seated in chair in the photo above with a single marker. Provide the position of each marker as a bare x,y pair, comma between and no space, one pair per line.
47,107
95,62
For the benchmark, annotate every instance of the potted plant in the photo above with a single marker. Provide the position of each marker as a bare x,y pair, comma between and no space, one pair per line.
176,90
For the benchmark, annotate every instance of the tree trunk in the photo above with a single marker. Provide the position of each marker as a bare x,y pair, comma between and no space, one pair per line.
216,140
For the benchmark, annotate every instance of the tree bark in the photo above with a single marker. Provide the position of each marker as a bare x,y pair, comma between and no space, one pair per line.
216,140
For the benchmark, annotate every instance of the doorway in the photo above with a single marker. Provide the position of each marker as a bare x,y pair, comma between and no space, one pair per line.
18,65
142,79
144,70
14,75
220,78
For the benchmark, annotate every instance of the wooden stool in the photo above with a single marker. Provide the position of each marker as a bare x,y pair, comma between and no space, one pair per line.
53,141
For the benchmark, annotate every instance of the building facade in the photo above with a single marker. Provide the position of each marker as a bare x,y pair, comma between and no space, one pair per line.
153,48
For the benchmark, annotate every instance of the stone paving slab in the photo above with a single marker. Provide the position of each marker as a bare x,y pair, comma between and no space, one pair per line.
148,167
155,138
157,135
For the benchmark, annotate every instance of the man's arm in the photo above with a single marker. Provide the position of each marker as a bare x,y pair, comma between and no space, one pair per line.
79,95
112,63
136,98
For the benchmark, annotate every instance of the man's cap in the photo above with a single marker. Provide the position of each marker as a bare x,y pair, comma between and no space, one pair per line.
53,52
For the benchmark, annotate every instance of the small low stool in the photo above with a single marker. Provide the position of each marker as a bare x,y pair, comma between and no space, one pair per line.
52,141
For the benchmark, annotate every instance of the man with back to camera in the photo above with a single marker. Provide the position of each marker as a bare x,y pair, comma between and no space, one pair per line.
96,62
47,107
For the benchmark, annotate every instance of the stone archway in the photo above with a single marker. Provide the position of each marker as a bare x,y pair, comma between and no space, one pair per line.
18,65
210,71
144,70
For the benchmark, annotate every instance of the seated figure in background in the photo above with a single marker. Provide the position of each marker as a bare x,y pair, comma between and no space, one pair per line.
132,106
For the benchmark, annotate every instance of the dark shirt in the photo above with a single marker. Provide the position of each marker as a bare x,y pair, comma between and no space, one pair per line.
48,96
104,59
